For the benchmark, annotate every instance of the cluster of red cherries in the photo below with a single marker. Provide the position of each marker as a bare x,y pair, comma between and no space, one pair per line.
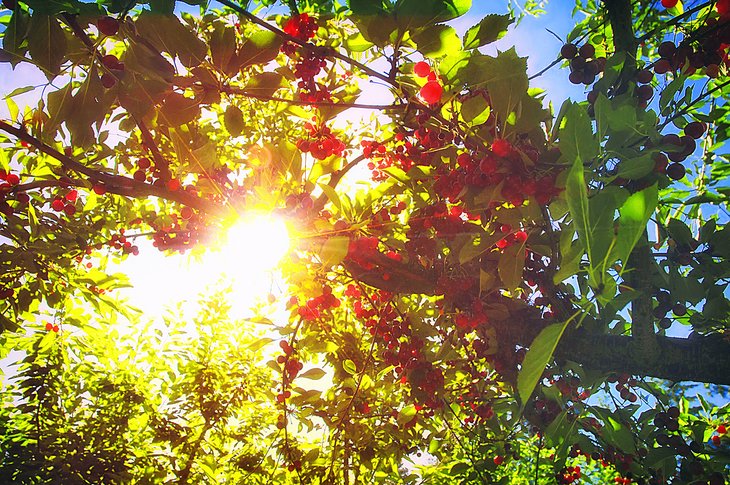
321,141
309,61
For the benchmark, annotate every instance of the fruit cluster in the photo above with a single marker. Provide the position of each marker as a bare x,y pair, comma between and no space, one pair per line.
399,155
584,66
665,305
114,70
301,26
66,203
7,182
309,62
568,475
314,307
707,48
721,431
432,91
321,142
624,384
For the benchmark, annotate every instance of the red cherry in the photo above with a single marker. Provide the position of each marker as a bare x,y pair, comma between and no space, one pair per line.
110,61
501,147
72,195
722,429
431,92
55,328
498,460
12,179
69,210
49,326
569,51
108,25
108,80
173,185
422,69
58,205
186,213
99,189
669,3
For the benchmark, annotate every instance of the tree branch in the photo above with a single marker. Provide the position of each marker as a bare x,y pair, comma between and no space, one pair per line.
704,359
116,184
624,40
325,104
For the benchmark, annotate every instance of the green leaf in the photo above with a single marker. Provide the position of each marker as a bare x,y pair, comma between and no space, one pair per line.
233,119
623,118
7,324
265,83
260,47
406,414
422,12
504,76
313,374
491,28
668,93
178,110
634,214
475,110
474,247
367,7
437,41
511,264
357,43
171,36
571,253
635,168
334,250
15,34
46,44
378,29
223,47
577,142
332,195
349,367
537,357
679,231
19,91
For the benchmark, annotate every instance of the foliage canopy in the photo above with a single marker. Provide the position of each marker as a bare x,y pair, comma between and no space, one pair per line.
491,306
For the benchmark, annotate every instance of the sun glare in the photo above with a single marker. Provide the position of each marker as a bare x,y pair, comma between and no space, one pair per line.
253,245
244,257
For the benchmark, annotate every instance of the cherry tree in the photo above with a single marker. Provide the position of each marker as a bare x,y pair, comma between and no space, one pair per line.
504,295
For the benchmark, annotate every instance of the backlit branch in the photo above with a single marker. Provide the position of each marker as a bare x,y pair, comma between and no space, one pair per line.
322,104
116,184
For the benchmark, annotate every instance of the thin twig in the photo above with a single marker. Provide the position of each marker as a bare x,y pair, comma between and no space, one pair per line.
328,51
299,102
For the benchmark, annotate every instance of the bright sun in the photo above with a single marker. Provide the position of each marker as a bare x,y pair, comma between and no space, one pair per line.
252,245
244,257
